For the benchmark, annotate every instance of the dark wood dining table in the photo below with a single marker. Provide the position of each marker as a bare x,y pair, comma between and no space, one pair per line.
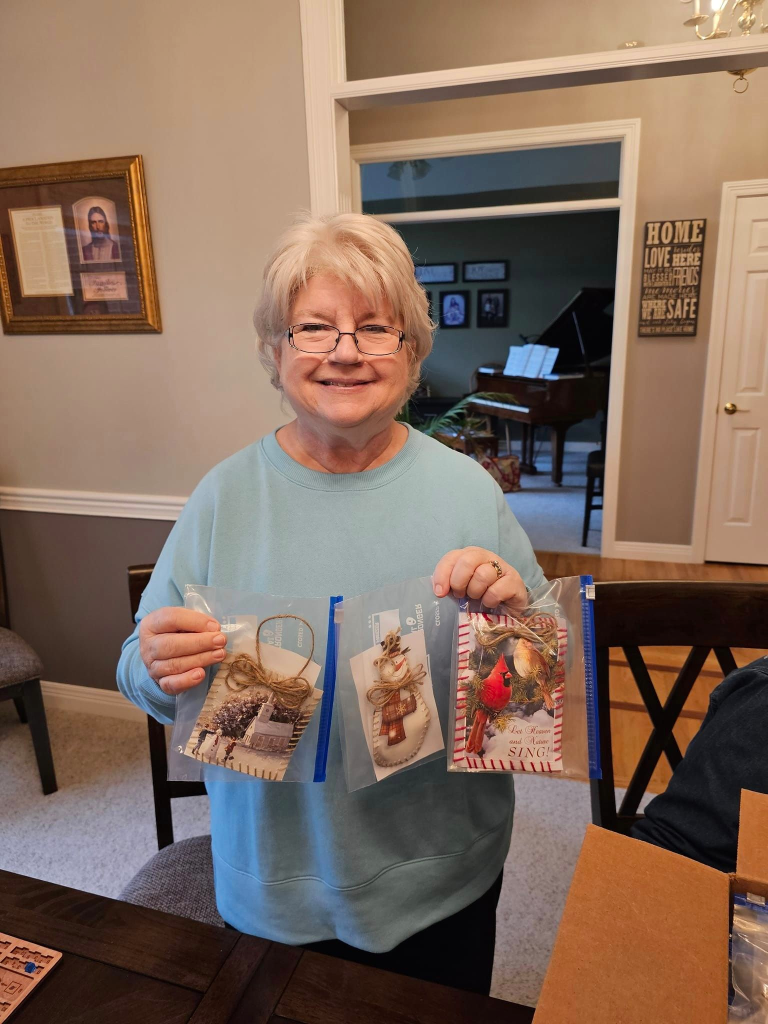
124,964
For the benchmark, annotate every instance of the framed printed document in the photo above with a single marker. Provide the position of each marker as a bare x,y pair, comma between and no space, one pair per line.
435,273
75,249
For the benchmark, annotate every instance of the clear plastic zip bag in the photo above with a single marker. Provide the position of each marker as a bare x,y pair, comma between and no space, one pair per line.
524,697
265,711
749,960
393,679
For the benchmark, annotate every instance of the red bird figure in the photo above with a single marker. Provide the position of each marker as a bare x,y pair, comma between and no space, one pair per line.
493,696
531,664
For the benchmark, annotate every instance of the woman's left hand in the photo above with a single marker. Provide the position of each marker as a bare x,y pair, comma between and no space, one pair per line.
470,572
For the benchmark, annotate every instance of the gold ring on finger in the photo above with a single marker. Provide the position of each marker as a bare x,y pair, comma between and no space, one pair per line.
497,567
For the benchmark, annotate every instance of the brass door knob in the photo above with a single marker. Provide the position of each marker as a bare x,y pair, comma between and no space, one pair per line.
729,409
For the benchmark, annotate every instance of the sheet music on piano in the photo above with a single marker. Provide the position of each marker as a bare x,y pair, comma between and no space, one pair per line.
530,360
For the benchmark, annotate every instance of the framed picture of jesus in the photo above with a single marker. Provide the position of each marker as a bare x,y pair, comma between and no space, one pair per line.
75,249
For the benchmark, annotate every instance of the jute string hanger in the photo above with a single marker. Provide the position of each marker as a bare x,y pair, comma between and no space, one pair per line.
290,691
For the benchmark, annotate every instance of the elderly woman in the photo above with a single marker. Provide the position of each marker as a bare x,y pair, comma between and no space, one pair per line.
343,499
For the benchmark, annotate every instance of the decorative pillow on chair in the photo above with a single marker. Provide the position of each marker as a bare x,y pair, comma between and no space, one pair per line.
505,470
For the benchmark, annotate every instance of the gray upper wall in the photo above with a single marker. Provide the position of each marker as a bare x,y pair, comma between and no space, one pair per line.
550,259
68,588
212,96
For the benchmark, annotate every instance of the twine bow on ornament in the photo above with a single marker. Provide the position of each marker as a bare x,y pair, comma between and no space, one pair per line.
492,635
290,691
391,676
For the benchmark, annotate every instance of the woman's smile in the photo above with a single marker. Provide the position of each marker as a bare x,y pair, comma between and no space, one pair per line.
345,385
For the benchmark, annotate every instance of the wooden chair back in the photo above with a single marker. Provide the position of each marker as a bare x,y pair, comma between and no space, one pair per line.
163,790
5,621
705,617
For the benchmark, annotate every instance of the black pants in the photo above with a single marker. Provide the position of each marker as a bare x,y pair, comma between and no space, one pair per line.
457,951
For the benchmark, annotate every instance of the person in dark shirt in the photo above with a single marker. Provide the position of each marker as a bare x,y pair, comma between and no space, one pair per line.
698,815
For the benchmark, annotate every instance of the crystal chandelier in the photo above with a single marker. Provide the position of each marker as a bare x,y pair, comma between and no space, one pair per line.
724,14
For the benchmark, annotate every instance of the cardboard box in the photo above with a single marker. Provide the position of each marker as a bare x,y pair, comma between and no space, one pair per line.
644,934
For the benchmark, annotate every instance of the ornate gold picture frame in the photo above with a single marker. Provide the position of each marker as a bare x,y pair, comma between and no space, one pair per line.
75,249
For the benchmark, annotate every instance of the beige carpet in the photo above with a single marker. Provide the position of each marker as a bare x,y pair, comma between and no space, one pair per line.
552,516
98,830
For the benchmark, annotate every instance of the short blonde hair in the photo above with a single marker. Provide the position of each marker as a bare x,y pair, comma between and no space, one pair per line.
364,253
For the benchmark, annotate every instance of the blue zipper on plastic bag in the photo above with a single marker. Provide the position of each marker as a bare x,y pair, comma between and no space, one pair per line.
587,592
329,686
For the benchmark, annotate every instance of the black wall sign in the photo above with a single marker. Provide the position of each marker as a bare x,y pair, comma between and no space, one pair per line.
672,258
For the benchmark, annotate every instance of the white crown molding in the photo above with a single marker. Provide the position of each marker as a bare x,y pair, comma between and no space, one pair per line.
639,551
665,60
90,701
92,503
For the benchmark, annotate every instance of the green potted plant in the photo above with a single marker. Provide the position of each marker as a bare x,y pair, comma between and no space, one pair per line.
462,429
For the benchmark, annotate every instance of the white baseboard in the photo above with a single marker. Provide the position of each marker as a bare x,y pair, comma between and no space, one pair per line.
92,503
640,551
90,701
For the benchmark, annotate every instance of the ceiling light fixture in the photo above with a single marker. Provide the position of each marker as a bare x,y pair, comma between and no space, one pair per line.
723,15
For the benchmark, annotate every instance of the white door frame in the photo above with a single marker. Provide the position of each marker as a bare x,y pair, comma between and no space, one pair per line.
329,97
627,133
732,191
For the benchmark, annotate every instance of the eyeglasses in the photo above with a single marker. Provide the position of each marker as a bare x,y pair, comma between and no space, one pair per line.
371,340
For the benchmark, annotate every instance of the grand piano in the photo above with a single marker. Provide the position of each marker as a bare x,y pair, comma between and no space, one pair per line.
582,331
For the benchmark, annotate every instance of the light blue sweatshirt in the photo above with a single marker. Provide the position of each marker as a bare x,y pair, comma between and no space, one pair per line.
302,862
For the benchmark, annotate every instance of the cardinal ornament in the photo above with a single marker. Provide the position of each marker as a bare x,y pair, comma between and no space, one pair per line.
400,716
509,699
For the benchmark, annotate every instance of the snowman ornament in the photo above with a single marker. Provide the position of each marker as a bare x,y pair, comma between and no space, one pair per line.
401,716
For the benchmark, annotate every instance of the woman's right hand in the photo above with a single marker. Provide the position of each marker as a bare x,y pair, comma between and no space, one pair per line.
177,645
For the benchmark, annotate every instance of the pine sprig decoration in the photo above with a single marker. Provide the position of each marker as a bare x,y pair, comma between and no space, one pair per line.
473,700
502,721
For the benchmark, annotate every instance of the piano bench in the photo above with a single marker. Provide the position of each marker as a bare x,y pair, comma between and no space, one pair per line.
595,474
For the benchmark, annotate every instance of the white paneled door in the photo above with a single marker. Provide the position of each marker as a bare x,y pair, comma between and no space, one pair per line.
738,511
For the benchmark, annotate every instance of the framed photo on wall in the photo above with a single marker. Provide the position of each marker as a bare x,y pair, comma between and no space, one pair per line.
493,308
454,309
436,273
490,270
75,249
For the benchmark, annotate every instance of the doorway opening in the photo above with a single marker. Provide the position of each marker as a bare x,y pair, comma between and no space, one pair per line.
523,241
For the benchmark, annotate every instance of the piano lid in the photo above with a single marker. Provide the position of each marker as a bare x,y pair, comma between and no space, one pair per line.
582,331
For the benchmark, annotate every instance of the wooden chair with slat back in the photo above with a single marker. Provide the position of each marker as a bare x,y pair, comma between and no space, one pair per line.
163,790
706,617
